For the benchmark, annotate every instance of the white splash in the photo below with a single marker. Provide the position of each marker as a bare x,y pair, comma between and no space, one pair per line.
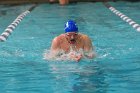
62,56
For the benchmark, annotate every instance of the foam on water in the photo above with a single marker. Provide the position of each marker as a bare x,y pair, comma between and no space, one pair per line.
62,56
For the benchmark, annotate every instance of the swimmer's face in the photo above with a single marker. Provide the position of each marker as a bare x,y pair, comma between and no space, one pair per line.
71,37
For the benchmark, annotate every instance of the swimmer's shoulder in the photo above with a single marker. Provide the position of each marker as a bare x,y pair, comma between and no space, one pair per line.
83,36
59,38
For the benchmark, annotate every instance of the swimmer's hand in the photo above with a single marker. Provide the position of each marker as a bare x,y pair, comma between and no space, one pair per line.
77,58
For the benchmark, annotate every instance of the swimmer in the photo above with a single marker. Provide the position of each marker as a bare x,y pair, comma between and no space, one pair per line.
71,42
52,1
63,2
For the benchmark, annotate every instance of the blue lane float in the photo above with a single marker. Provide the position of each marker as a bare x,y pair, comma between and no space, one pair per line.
13,25
123,17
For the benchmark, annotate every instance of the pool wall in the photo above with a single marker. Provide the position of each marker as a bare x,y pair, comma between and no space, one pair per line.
44,1
55,1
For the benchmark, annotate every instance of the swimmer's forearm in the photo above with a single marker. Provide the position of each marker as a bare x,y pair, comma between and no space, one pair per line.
56,53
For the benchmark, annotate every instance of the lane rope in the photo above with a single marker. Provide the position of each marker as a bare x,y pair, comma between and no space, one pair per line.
8,31
123,17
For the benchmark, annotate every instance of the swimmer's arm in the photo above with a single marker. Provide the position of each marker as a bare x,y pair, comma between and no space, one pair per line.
55,46
88,48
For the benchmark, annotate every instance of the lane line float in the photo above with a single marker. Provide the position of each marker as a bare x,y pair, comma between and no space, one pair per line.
8,31
123,17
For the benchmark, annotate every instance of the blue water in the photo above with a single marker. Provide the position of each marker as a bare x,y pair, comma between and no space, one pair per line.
116,69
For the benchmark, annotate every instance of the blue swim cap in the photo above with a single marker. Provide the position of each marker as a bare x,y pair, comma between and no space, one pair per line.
71,26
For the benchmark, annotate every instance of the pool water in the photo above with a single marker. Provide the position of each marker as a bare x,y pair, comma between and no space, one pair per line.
116,69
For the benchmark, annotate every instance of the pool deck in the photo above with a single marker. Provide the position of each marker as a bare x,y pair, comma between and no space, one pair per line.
43,1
